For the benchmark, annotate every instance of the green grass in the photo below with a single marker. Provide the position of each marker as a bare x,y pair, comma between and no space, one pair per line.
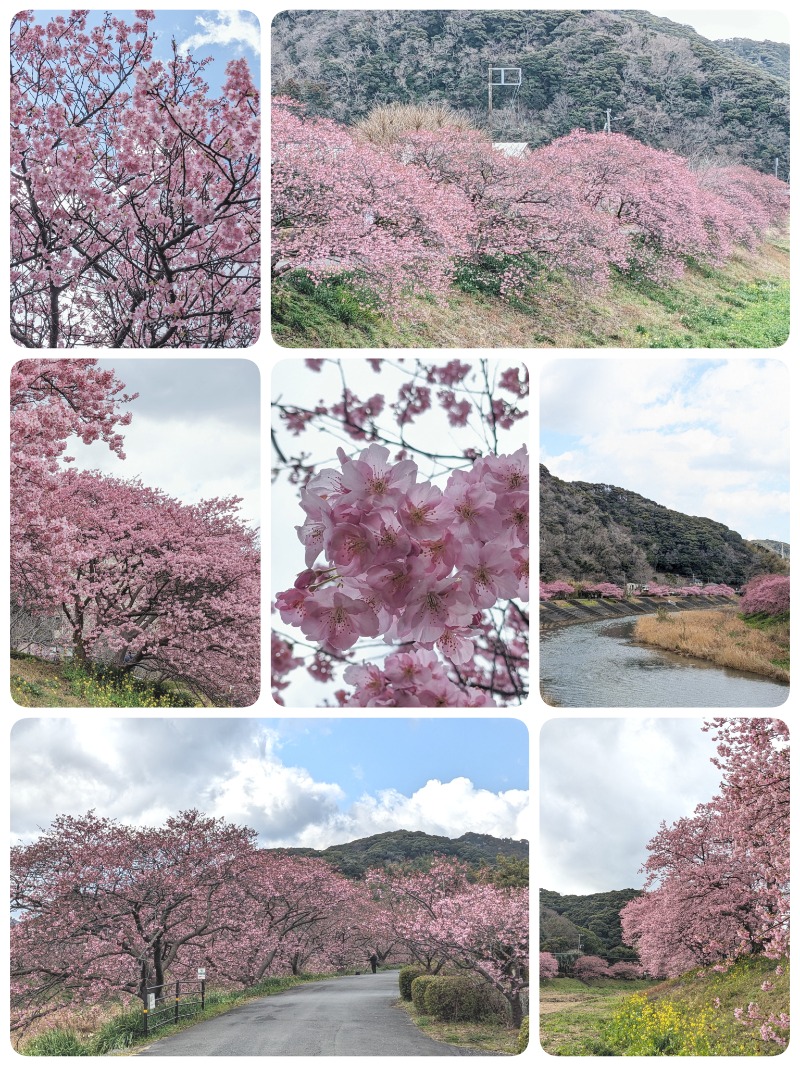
743,304
754,315
38,683
490,1037
688,1015
778,626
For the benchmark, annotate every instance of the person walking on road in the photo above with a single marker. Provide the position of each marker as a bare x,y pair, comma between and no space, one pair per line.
373,961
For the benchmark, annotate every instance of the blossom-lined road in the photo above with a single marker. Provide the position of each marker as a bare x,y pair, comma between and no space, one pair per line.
342,1016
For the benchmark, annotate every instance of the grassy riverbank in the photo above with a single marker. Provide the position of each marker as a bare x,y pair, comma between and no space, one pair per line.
688,1015
743,304
723,638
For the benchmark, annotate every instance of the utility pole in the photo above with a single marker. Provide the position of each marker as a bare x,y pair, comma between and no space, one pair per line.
607,127
776,166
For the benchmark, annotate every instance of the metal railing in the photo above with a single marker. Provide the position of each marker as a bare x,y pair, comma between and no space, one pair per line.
168,1003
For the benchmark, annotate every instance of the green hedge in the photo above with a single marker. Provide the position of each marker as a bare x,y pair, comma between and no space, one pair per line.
457,999
418,989
405,977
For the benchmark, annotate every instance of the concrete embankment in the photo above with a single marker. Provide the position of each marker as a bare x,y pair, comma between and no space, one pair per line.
554,613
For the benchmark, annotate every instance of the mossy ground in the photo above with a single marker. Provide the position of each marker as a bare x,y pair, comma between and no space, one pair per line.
688,1015
743,304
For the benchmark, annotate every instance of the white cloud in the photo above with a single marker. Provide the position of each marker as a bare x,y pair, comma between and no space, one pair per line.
190,459
226,28
707,439
443,808
593,835
144,771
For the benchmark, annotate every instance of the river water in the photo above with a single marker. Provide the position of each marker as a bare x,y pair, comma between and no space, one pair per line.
594,664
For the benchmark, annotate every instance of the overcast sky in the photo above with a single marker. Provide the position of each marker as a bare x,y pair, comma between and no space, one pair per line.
720,23
704,437
297,782
606,784
194,432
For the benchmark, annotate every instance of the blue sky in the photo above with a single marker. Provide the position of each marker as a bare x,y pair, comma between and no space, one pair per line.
707,437
298,782
223,35
369,755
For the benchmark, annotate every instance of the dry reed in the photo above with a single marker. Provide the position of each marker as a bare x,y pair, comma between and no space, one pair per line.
389,123
720,637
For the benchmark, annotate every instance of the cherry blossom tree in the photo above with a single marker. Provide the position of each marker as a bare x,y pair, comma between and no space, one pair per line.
128,574
291,910
443,917
549,590
339,204
548,965
766,594
588,967
51,402
134,194
400,213
150,584
717,882
606,589
436,567
97,904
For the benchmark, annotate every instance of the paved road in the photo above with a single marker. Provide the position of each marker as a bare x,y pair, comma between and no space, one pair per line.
342,1016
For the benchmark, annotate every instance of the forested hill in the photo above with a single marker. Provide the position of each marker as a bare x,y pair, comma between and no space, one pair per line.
592,532
594,917
404,846
769,56
664,84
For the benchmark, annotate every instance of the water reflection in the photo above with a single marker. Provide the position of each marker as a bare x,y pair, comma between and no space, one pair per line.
593,664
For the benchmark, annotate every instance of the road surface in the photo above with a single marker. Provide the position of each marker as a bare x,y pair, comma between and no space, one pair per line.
341,1016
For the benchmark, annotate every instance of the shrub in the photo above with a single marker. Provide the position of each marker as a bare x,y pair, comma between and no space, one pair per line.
524,1034
405,977
457,999
419,987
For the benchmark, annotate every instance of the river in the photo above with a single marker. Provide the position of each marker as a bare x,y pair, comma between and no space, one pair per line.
595,664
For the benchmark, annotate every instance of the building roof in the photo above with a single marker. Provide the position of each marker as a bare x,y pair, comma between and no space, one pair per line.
511,148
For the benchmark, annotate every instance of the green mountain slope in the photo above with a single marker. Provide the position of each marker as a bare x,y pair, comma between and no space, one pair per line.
596,532
405,846
597,913
769,56
663,83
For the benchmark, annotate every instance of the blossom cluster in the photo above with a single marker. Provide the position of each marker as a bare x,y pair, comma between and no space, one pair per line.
411,563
